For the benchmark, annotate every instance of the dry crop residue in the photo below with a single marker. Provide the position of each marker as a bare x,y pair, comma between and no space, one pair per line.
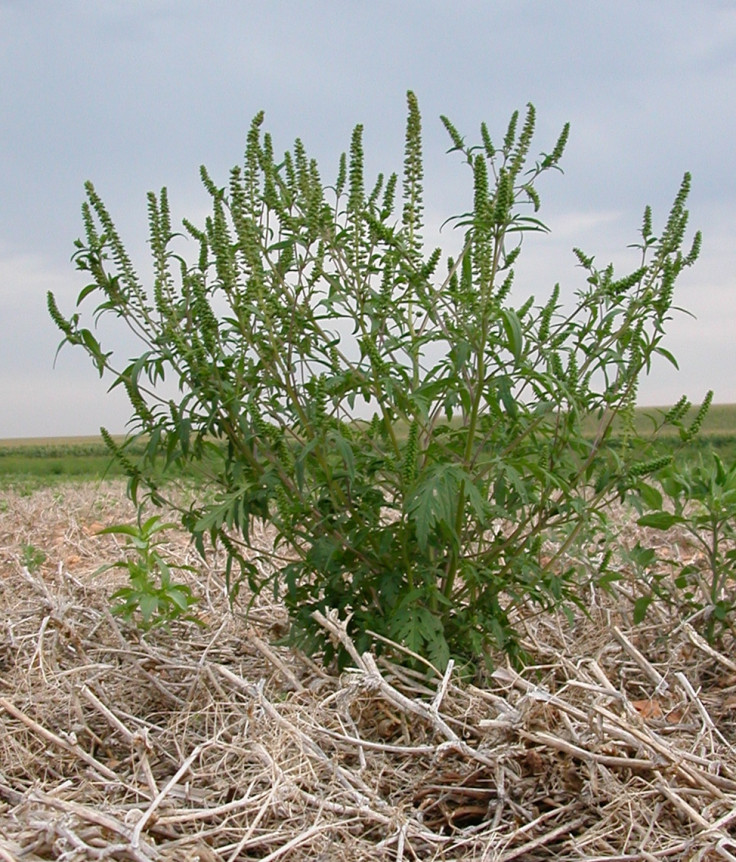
216,744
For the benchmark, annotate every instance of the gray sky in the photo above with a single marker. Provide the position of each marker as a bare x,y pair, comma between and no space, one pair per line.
136,94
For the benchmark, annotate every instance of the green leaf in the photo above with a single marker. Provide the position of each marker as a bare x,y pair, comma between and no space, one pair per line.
608,578
512,327
668,356
660,520
650,496
641,606
148,606
118,529
435,499
179,596
345,451
642,556
90,342
503,387
420,630
86,291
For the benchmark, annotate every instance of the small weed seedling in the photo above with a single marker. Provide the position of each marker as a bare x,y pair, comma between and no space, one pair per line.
32,558
151,591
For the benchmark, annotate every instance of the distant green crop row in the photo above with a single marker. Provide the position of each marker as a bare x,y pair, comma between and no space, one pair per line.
26,473
26,466
38,463
70,464
39,451
720,421
717,434
724,445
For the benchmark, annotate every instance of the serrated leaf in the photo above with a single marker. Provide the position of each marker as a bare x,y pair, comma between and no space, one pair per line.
438,650
435,499
421,631
431,503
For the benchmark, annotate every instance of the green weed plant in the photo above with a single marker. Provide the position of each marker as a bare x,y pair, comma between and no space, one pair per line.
31,557
700,498
415,436
151,599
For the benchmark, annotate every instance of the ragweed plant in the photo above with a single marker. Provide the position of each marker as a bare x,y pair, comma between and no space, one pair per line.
32,558
151,592
414,435
699,498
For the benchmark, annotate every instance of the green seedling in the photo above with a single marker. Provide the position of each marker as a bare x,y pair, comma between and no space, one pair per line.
31,557
151,592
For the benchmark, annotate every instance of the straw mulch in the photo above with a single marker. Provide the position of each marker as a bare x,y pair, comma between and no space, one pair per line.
214,744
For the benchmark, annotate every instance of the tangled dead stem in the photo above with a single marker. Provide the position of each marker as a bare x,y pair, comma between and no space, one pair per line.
214,744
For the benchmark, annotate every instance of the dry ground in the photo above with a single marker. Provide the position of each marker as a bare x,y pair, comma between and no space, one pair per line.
213,744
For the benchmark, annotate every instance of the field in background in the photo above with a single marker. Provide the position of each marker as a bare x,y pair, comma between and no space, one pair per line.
720,421
36,462
717,433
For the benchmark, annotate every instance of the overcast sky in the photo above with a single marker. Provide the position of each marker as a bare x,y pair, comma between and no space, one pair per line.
136,94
